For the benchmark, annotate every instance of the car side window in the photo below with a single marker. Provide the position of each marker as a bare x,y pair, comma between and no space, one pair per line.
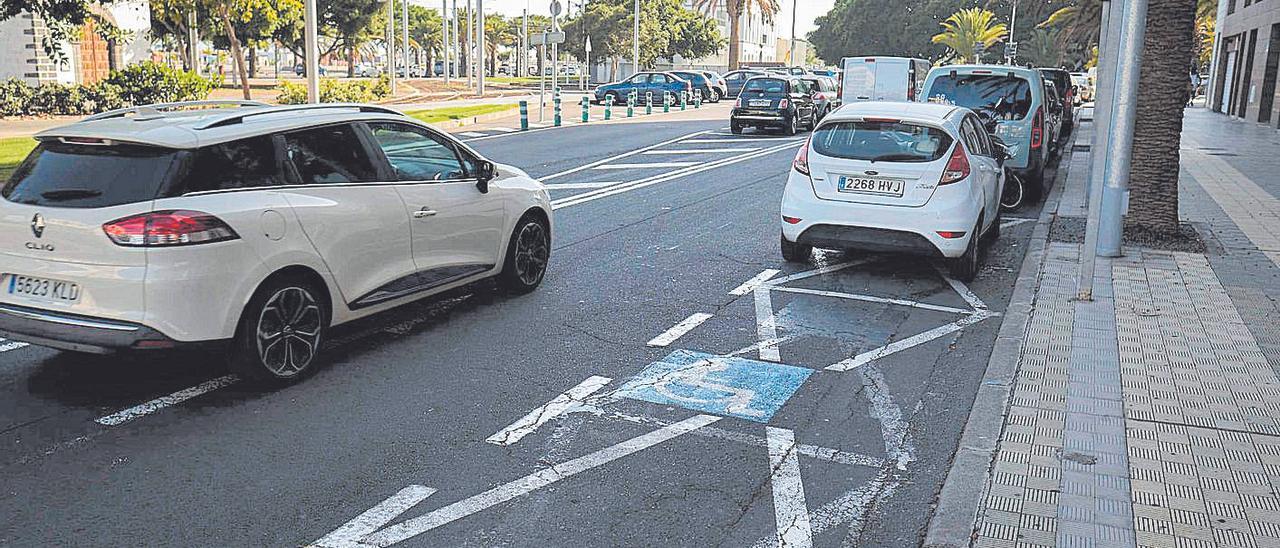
732,77
245,163
329,155
658,79
415,154
973,137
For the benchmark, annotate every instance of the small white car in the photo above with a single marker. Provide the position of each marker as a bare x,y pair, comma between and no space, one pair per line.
898,177
253,229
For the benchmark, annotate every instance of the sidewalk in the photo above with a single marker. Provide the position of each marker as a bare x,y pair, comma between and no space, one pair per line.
1149,417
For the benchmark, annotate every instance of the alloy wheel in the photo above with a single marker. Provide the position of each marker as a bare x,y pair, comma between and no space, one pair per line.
289,331
532,253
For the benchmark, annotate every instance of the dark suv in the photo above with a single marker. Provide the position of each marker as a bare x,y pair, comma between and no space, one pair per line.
1067,92
779,102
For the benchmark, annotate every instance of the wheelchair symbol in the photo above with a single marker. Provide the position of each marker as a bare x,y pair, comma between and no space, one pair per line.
734,400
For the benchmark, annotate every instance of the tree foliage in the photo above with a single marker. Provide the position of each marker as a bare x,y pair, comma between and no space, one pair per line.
64,19
667,29
859,27
967,28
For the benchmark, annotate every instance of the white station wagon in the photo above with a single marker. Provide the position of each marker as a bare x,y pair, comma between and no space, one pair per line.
254,228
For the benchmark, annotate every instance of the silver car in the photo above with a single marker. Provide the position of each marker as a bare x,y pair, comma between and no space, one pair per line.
826,96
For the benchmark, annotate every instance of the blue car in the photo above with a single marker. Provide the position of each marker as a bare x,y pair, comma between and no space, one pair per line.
701,84
642,83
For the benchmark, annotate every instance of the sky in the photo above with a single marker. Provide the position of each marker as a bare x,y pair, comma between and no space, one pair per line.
806,10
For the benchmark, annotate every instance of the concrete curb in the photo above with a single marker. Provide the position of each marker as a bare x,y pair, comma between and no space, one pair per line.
473,120
954,518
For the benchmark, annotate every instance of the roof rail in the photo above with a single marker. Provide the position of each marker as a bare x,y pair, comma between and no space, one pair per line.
155,109
240,116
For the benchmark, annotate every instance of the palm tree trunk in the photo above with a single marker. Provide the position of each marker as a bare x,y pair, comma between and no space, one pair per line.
1167,57
735,32
235,50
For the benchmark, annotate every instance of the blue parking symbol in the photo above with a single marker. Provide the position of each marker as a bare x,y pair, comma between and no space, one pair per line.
729,386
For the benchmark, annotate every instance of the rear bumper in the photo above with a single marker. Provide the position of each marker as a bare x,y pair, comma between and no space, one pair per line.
755,117
868,239
76,332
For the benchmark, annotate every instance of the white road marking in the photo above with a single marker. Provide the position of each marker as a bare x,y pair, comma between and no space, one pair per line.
504,129
850,507
654,165
961,289
791,512
750,285
567,186
818,271
739,139
678,330
1016,222
121,417
700,151
758,345
552,409
531,482
664,177
349,535
472,134
619,156
766,325
6,346
909,342
872,299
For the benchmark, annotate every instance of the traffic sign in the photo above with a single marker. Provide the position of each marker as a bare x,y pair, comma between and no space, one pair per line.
546,38
555,8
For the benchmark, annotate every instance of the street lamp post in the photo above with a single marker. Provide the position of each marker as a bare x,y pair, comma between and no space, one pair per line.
444,39
480,50
391,44
312,55
635,42
404,30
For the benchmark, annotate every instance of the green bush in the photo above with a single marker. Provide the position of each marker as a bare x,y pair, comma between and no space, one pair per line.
149,82
15,95
138,84
336,91
52,99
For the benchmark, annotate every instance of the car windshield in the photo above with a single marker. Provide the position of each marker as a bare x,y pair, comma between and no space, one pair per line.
69,175
997,96
881,141
690,77
765,86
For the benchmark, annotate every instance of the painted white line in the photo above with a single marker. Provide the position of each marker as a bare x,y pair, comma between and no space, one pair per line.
791,512
817,272
1016,222
504,129
700,151
619,156
654,165
678,330
766,325
552,409
6,346
121,417
531,482
472,134
739,139
568,186
961,289
909,342
873,299
750,285
851,507
349,535
664,177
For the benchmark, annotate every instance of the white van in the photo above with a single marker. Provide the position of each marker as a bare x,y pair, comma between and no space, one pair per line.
882,78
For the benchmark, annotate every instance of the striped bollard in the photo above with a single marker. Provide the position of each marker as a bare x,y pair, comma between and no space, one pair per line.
648,102
608,110
684,100
631,104
557,108
666,102
697,101
586,110
524,116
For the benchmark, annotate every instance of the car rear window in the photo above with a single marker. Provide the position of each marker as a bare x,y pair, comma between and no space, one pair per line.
998,96
246,163
881,141
766,85
86,176
694,78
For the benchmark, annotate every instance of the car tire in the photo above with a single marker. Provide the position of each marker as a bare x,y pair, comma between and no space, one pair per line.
528,253
792,126
718,96
1013,195
793,252
965,267
281,332
735,128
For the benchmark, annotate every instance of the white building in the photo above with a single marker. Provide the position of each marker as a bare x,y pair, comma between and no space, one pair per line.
756,41
85,60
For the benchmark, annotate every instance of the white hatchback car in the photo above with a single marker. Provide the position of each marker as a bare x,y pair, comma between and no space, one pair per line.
254,228
881,176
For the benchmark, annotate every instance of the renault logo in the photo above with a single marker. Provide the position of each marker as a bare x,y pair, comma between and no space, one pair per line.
37,225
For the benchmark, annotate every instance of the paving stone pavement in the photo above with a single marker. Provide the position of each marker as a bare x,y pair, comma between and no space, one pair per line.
1150,417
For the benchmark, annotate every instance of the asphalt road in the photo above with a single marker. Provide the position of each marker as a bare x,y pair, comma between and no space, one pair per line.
846,426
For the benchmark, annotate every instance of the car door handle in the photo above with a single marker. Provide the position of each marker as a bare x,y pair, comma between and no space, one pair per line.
424,213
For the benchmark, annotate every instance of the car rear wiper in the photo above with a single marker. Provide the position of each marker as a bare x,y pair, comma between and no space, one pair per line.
891,157
70,194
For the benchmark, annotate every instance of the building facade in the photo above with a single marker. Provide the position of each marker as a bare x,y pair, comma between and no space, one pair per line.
1246,61
756,40
84,60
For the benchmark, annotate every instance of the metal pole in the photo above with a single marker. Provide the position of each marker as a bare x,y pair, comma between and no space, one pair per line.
555,58
1115,191
456,61
523,64
391,44
635,42
404,34
193,35
471,44
1108,42
792,53
1013,21
480,48
312,55
444,40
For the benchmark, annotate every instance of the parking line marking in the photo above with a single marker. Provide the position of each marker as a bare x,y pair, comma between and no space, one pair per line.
909,342
568,186
678,330
472,134
6,346
766,325
750,285
873,299
961,289
739,139
700,151
791,512
817,271
619,156
645,166
552,409
349,535
531,482
121,417
504,129
1015,221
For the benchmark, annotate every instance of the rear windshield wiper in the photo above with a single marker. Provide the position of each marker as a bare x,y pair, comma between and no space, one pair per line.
892,157
70,194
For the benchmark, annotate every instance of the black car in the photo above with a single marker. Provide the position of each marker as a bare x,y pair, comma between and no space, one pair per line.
1068,91
778,102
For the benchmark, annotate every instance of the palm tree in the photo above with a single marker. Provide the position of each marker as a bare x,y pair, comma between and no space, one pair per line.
735,9
968,27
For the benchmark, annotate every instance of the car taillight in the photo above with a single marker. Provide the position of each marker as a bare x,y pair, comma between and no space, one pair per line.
1037,128
784,104
168,228
738,103
957,167
801,163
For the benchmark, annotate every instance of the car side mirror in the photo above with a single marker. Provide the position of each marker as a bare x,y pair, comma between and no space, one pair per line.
485,172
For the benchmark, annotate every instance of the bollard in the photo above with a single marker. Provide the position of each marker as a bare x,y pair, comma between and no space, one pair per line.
648,102
557,108
666,102
697,101
684,100
631,104
586,110
524,116
608,110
